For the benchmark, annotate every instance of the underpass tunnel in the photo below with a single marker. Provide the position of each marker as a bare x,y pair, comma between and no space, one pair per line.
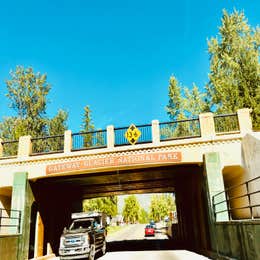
57,197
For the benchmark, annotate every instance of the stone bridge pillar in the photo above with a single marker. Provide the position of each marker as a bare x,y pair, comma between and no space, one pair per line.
22,199
214,184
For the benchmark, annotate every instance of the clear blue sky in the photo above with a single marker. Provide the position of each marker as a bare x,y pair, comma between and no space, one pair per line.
116,56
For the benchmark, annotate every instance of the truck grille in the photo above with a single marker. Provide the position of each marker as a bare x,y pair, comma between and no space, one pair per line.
73,241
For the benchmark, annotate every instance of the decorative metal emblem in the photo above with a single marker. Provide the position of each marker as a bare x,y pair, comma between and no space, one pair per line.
132,134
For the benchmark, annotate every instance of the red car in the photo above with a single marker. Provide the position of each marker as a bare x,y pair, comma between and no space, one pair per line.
149,231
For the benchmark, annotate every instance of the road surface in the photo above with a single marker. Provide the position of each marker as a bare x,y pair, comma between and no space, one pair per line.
131,244
153,255
136,232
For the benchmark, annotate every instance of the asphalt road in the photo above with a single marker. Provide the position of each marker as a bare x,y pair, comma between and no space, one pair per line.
153,255
131,244
136,232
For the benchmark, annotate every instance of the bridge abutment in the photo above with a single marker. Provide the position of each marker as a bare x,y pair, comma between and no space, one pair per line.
22,199
214,183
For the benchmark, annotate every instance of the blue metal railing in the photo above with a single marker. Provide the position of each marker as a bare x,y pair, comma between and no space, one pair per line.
145,137
89,140
179,129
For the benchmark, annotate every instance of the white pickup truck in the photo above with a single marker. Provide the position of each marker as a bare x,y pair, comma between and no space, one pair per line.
85,237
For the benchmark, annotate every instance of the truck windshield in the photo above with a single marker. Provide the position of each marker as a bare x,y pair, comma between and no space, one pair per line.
80,224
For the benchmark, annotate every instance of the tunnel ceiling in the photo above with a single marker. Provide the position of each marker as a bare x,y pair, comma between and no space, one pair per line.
91,185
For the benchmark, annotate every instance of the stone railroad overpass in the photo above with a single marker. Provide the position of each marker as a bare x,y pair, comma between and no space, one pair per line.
47,185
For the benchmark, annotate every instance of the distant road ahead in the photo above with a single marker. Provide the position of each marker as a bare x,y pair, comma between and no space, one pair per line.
131,244
135,232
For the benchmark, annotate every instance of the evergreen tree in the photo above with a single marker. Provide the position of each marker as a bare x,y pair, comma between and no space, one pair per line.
183,104
88,124
91,138
234,66
234,78
195,102
175,107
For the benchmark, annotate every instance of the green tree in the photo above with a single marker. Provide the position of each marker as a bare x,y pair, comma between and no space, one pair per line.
91,137
131,209
143,216
175,107
27,92
234,79
106,205
88,124
183,104
195,102
57,126
161,205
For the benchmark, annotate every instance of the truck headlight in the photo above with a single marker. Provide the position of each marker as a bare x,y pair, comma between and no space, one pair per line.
62,239
85,240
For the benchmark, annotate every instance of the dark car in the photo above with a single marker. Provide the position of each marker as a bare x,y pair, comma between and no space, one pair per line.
152,224
149,230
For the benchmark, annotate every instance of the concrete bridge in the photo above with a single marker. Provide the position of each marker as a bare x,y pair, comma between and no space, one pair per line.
47,178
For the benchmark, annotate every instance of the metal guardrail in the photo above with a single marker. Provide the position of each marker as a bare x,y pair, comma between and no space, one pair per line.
48,144
227,201
145,137
227,123
10,148
10,219
179,129
89,140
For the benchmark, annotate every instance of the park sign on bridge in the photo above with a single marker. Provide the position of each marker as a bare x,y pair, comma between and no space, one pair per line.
115,160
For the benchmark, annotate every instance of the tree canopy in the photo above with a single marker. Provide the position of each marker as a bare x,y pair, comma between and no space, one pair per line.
234,77
131,209
106,205
161,206
27,92
183,102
